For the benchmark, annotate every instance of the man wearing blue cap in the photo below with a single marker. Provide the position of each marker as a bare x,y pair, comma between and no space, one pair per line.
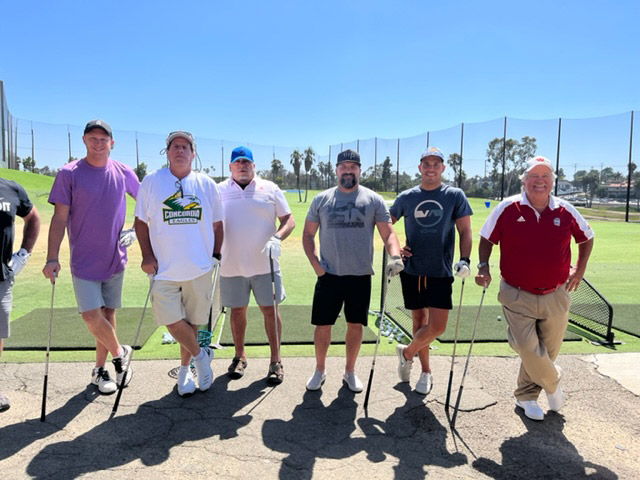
432,212
251,206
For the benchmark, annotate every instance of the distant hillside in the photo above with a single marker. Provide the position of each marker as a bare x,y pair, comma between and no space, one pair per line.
37,186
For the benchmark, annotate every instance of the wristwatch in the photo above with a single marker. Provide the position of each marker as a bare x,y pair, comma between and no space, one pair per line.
482,265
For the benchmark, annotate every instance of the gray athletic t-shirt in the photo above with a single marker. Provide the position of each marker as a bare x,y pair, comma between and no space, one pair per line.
346,223
429,224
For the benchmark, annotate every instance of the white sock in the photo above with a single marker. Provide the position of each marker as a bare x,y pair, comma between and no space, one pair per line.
120,352
200,354
182,373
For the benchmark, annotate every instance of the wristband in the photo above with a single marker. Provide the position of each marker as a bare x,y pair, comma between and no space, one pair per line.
465,259
482,265
217,256
52,260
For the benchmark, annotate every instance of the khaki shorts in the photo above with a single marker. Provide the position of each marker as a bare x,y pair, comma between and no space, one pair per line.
175,301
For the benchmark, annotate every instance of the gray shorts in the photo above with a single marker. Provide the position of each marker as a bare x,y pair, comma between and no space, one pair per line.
91,295
5,307
234,291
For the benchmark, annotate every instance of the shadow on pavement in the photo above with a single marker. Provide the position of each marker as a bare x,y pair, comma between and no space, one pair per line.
542,452
14,438
151,432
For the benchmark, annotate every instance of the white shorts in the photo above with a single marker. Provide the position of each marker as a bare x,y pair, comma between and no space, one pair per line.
189,300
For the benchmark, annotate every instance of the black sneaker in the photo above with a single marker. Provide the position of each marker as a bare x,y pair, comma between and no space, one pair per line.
123,364
4,403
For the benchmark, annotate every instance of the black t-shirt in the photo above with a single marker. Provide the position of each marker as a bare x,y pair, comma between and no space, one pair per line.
13,201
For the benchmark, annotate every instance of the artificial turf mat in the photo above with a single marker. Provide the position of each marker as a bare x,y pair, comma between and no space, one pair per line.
490,329
296,327
69,332
627,318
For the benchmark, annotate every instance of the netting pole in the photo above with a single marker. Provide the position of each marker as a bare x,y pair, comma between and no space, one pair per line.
555,192
2,126
398,168
461,143
329,167
358,145
375,162
427,140
137,155
33,146
504,157
69,142
222,161
626,215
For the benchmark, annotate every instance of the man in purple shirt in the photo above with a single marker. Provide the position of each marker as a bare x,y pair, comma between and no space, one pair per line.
90,203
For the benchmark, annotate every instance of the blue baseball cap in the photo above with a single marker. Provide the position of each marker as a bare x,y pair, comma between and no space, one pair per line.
241,153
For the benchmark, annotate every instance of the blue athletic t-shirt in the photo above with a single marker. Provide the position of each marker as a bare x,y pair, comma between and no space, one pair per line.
429,223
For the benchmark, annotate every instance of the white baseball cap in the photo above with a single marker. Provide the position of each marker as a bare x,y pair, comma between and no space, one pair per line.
535,161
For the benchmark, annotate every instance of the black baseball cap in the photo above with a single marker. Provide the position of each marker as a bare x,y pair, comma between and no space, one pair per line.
98,124
348,156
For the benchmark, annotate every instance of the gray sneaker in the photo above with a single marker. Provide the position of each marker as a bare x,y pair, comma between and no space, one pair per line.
4,403
100,377
123,364
404,365
316,381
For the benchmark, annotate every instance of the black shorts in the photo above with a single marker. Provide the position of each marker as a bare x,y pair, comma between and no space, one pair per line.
332,291
424,292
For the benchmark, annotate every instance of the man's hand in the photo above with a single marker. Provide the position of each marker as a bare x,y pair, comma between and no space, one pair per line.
127,237
573,282
51,269
273,246
394,266
18,261
483,277
405,252
149,265
462,269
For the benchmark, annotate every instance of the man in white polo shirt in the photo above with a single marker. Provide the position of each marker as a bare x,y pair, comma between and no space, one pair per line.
251,206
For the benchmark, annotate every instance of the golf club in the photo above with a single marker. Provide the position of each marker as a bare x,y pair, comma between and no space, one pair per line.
133,346
453,355
466,364
375,350
43,413
275,303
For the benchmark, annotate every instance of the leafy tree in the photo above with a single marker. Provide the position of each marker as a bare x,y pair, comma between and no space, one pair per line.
296,158
28,164
141,170
276,168
386,173
516,154
590,184
455,162
309,158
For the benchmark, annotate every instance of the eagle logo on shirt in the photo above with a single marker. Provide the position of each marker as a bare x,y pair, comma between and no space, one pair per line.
182,209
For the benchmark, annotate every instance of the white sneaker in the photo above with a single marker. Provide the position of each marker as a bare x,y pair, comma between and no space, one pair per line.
531,409
203,369
186,385
316,380
404,365
556,399
352,381
100,377
425,383
123,364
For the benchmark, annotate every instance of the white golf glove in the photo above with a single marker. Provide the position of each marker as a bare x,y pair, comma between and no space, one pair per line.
127,237
18,261
273,246
462,269
394,266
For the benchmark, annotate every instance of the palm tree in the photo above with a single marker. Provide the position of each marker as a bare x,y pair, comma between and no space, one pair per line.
309,158
296,156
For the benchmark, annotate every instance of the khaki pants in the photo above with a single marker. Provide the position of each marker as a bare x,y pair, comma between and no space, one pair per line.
536,326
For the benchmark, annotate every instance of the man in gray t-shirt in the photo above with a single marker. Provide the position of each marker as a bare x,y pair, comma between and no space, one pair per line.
345,216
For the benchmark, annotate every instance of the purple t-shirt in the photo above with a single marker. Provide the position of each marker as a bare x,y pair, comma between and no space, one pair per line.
97,208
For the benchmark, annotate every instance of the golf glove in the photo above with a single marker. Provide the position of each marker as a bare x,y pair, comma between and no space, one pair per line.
127,237
273,246
462,269
18,261
394,266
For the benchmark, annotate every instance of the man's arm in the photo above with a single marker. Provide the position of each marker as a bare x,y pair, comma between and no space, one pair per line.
149,262
577,272
465,240
483,277
389,238
287,224
218,232
31,230
309,246
56,234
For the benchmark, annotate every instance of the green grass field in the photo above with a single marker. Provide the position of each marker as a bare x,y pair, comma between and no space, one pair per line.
614,268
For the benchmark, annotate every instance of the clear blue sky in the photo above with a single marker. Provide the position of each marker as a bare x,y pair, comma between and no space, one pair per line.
295,73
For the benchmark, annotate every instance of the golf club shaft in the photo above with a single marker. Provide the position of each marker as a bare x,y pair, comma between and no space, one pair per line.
275,302
455,343
43,412
375,350
466,364
133,346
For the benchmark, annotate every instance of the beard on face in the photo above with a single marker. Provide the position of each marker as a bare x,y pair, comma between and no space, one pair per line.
348,180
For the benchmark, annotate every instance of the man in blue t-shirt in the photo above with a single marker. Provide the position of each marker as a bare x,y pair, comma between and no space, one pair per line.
432,212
